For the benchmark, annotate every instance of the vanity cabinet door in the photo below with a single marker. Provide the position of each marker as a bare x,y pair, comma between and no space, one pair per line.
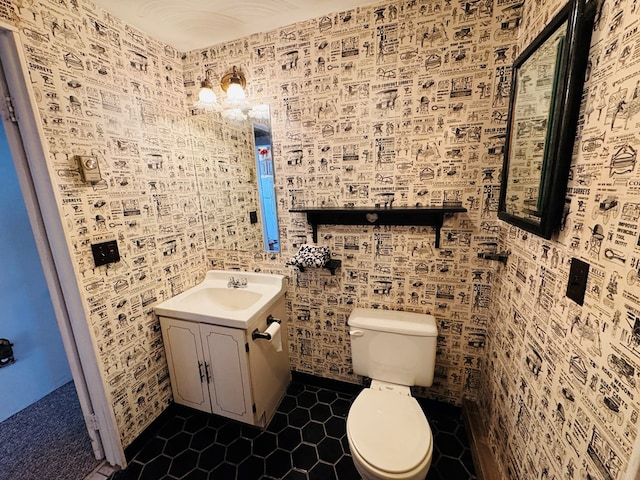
229,382
186,363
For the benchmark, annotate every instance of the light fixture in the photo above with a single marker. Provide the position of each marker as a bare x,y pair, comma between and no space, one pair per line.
207,94
233,83
207,99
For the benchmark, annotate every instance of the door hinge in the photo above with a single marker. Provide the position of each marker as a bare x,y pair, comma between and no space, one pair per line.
246,347
10,109
92,422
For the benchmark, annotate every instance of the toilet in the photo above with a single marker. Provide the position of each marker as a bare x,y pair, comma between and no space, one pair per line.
388,434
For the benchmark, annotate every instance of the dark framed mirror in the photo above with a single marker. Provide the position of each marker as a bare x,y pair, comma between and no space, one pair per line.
546,87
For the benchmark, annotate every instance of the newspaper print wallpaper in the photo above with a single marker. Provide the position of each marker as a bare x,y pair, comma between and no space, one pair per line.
106,90
401,103
561,385
556,381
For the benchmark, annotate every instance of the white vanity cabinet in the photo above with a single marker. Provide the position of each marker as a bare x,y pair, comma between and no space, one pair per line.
221,370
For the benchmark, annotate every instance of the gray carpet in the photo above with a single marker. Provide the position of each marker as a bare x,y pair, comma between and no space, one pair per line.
47,440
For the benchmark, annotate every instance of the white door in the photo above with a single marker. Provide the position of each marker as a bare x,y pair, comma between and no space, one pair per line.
226,360
186,364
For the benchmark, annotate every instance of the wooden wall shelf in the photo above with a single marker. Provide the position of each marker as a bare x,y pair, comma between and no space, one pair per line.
429,216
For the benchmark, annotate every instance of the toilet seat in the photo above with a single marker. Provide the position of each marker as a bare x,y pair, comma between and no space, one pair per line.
389,431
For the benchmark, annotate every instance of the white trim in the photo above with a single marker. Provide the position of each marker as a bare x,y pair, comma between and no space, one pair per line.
41,203
7,26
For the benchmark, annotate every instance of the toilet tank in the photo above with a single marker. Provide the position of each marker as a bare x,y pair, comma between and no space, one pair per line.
392,346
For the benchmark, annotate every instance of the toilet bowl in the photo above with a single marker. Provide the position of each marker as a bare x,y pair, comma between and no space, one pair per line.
388,434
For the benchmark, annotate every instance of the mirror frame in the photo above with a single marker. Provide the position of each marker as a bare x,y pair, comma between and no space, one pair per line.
568,81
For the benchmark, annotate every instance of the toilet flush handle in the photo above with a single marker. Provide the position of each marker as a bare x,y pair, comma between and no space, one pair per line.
356,333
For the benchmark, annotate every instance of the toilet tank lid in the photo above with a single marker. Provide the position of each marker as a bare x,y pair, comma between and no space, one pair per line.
393,321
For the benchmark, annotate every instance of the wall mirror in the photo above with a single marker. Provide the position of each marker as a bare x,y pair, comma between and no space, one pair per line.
235,178
260,122
546,87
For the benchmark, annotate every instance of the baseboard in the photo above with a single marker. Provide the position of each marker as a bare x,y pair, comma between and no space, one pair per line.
483,460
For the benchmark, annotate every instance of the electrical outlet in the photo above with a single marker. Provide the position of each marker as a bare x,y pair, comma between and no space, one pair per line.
106,252
578,276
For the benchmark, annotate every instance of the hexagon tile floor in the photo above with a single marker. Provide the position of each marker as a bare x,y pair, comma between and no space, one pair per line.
306,440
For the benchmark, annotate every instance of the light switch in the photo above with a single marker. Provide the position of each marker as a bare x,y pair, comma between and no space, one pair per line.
577,285
105,252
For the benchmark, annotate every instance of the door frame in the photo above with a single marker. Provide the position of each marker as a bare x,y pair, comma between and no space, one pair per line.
28,146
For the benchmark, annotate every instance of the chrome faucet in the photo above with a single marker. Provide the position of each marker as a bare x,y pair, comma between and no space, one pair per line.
237,282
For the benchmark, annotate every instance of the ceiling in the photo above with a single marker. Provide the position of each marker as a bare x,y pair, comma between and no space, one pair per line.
192,24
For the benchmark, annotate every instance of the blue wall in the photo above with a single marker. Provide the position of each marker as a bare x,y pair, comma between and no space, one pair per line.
26,314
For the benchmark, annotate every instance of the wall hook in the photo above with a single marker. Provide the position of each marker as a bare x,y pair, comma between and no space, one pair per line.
501,257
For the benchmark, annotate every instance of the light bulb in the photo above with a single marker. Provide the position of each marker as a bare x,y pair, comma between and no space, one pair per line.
207,95
235,93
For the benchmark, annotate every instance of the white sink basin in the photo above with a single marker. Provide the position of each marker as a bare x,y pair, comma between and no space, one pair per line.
217,302
223,298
